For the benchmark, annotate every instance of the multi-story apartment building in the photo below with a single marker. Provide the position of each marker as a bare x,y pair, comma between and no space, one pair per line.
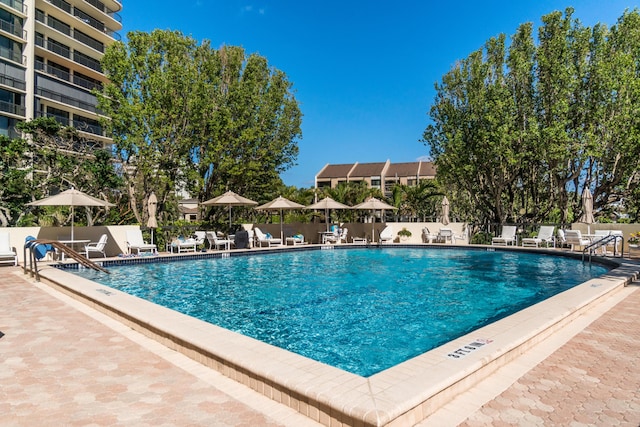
383,175
50,53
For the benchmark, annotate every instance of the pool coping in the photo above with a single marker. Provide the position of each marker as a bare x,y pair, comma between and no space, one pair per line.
402,395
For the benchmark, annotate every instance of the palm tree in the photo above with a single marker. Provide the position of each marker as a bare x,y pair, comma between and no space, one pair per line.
417,201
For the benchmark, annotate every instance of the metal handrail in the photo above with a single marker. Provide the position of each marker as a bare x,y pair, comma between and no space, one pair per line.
604,241
33,261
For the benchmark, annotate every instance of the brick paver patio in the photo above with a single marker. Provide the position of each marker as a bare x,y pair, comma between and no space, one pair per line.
64,364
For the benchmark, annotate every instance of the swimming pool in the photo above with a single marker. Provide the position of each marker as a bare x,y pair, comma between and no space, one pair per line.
362,310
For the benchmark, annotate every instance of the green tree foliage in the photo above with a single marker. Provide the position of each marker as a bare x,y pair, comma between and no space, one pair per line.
54,159
15,188
186,116
520,131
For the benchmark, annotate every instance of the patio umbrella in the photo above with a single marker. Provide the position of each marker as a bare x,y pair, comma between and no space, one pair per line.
279,204
229,199
374,204
152,205
587,209
445,211
71,197
326,204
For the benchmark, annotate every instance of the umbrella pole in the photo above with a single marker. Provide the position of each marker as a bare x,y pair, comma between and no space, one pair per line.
281,233
326,218
71,222
373,226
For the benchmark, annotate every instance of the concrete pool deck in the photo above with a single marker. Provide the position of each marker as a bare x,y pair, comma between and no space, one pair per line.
63,360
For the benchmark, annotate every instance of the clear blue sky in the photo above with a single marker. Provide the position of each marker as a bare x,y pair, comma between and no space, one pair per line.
363,71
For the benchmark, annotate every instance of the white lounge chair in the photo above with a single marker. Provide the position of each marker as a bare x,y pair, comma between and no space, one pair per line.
386,235
268,239
507,237
216,242
545,235
98,247
135,242
199,237
8,254
574,238
428,236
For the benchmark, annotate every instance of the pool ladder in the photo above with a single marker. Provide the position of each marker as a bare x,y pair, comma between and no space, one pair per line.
30,247
612,238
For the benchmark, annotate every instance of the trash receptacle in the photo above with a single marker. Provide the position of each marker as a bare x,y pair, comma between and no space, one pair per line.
242,239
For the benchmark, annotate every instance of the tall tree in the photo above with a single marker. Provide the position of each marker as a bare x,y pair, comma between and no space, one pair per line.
185,116
521,137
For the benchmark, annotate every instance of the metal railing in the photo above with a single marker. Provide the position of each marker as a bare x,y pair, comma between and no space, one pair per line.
89,41
61,4
13,82
64,99
9,107
604,241
11,54
15,4
11,28
82,59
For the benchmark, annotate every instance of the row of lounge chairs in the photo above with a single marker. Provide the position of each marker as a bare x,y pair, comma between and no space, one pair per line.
564,238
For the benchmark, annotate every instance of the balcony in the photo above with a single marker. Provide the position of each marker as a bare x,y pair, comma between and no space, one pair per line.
12,108
88,127
102,8
59,26
89,41
67,100
89,62
11,55
16,4
11,28
65,51
61,4
14,83
66,76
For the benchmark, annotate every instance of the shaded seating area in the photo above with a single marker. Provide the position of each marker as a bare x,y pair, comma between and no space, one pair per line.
507,237
135,242
545,235
96,247
8,254
268,239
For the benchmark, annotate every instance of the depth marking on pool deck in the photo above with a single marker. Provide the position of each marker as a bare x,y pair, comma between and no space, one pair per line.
464,350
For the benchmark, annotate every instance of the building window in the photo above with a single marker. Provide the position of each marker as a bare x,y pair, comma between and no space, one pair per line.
375,182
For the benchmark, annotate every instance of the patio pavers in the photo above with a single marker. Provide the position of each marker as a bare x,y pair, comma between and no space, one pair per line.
65,364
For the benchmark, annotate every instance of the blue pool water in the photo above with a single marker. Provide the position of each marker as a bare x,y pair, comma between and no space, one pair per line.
361,310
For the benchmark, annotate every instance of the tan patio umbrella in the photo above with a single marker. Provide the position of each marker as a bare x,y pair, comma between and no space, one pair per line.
229,199
279,204
587,209
152,205
326,204
373,204
71,197
445,211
